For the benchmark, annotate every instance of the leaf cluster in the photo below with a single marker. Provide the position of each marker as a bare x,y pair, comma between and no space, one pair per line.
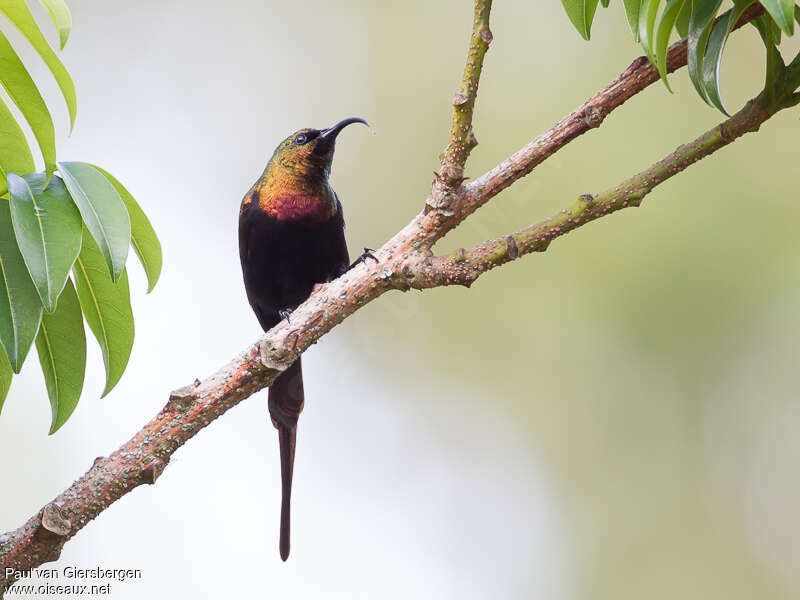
704,27
64,237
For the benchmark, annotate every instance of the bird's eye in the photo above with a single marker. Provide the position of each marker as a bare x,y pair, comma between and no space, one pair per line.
301,138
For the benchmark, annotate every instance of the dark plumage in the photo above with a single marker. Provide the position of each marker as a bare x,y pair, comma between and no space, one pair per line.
291,237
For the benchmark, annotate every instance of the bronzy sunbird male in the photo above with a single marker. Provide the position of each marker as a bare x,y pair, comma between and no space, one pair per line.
291,237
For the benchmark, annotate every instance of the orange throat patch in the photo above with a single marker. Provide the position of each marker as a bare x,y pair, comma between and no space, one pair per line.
301,206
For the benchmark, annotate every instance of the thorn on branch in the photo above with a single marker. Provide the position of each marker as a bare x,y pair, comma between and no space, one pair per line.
486,35
454,175
403,283
472,141
153,471
461,255
182,399
54,520
445,187
639,61
593,116
459,99
271,357
588,198
512,250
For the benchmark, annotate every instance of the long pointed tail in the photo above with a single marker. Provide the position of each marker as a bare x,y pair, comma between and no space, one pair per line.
285,404
286,439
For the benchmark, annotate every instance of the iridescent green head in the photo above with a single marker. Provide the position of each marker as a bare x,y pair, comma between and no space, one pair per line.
294,185
308,153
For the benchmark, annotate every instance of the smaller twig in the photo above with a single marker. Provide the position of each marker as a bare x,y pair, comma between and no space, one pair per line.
462,139
463,267
639,75
455,205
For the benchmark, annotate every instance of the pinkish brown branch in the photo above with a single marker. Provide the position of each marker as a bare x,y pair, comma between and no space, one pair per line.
463,267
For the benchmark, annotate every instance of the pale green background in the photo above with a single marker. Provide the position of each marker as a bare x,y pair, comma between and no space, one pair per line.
616,418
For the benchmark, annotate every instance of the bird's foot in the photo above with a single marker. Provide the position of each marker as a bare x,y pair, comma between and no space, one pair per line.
368,253
284,314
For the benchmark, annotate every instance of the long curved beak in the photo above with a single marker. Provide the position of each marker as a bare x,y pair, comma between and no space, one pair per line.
330,133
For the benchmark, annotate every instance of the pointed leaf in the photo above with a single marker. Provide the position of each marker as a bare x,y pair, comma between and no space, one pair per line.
61,17
762,24
48,229
6,375
19,14
605,3
671,12
15,156
711,62
102,210
143,237
700,23
716,44
22,90
682,24
106,304
20,307
581,13
61,344
647,25
782,12
632,9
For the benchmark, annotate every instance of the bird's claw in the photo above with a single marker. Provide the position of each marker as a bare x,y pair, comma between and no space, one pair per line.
284,314
368,253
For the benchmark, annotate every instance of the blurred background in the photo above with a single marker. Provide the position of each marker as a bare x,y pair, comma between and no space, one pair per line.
614,418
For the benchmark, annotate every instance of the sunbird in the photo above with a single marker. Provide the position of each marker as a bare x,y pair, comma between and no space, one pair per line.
291,237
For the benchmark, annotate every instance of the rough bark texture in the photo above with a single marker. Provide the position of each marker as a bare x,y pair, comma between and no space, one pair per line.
404,262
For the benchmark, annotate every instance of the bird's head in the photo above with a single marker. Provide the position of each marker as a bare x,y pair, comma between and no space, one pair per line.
308,153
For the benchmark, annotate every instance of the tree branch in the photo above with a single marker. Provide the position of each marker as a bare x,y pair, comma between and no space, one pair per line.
405,261
463,267
591,114
462,139
454,205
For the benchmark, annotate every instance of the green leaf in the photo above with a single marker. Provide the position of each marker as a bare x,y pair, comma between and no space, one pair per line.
671,12
61,17
143,237
716,44
106,304
581,13
6,374
61,345
700,23
682,24
22,90
48,229
711,62
632,8
782,12
20,308
762,24
19,14
15,156
647,24
102,210
605,3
